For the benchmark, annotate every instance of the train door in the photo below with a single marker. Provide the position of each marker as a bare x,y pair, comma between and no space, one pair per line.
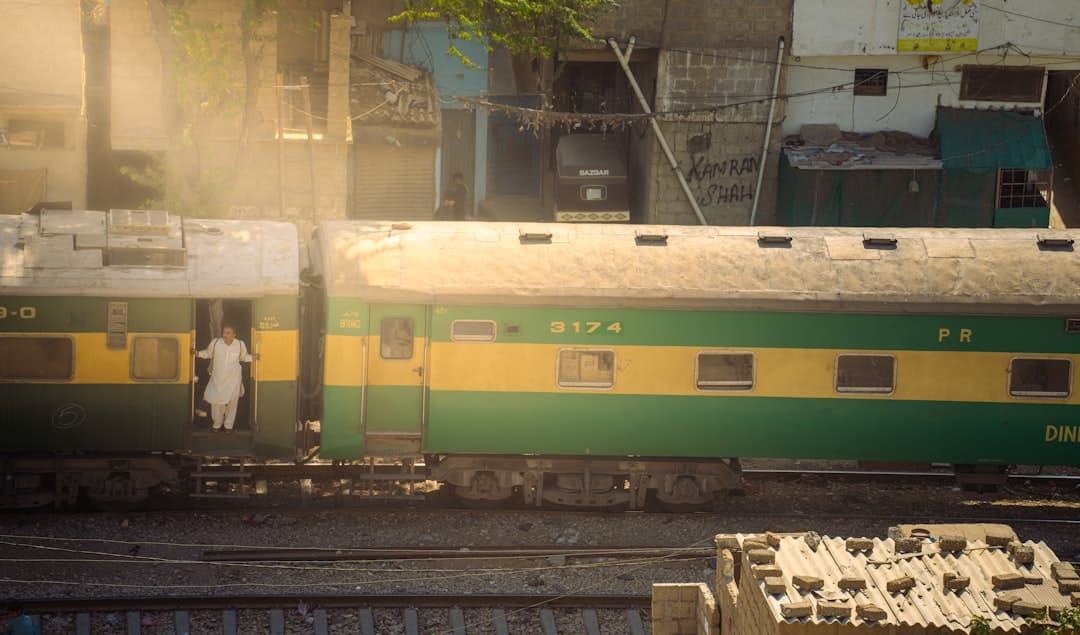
211,316
394,401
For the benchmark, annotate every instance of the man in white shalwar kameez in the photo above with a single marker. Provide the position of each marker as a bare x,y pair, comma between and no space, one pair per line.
226,378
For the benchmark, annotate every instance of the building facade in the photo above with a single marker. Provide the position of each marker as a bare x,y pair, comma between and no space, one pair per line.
890,75
42,114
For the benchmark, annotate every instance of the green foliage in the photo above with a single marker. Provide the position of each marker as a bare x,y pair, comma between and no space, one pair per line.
1066,623
979,625
534,27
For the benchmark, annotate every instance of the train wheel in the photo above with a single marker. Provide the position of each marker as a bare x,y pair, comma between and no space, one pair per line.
484,491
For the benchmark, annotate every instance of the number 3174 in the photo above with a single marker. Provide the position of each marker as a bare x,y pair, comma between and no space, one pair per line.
585,327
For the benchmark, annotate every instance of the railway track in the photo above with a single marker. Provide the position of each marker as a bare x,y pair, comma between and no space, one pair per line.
442,553
370,614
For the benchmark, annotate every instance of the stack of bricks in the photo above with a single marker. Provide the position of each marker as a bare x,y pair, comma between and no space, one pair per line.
684,609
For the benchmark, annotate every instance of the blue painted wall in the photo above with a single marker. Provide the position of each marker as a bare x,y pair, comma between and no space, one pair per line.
427,46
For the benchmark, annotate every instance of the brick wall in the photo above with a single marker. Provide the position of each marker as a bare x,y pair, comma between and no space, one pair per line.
684,609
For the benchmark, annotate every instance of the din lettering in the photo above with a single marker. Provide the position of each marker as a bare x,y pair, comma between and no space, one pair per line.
1062,434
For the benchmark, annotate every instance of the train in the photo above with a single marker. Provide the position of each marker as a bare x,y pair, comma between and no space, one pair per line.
584,365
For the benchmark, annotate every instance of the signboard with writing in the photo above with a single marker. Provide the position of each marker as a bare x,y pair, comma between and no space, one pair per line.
938,26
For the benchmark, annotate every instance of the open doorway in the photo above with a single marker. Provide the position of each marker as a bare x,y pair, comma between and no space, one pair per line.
211,316
1062,110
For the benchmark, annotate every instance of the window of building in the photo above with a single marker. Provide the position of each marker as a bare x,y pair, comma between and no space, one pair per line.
725,371
472,331
36,358
155,358
1022,188
586,368
1040,377
34,133
866,373
871,82
1022,84
396,338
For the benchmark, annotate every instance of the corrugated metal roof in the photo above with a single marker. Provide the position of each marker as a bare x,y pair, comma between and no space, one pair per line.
943,270
928,604
992,139
852,151
63,252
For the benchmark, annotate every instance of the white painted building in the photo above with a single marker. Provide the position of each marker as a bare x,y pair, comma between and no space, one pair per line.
947,57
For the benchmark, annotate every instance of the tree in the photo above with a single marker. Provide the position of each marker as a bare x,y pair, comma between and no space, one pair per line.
529,27
201,86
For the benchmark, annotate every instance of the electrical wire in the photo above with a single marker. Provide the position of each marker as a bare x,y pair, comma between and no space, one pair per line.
1031,17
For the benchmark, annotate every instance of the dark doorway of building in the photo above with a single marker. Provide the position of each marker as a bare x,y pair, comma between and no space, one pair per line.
1062,108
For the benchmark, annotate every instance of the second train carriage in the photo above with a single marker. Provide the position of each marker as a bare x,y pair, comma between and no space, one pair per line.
98,313
592,365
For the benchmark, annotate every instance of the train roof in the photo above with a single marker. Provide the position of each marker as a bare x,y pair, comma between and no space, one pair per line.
837,269
139,253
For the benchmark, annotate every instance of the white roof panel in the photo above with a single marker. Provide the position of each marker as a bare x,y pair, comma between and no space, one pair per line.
961,270
62,253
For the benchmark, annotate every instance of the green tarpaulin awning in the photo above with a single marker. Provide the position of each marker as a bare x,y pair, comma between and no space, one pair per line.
987,139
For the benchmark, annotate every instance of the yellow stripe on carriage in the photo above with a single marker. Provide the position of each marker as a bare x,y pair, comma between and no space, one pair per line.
779,372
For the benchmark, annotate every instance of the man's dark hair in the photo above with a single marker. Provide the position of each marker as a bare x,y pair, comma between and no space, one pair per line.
228,326
13,606
458,175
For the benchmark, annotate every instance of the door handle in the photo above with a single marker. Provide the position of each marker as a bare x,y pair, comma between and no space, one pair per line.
419,370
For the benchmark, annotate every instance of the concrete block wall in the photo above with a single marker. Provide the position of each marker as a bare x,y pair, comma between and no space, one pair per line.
692,23
684,609
337,111
720,162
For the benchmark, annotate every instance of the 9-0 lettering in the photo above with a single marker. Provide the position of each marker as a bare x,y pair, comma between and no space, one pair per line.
588,328
23,312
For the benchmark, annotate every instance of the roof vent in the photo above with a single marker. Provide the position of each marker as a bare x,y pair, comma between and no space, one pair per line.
401,226
773,240
535,237
879,241
152,222
136,257
650,239
1072,325
1054,243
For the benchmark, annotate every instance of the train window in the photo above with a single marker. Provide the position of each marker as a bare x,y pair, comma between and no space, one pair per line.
36,358
472,331
580,368
396,338
155,358
1040,377
866,373
725,371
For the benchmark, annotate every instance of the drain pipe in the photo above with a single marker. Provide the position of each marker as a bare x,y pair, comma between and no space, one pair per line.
768,132
623,61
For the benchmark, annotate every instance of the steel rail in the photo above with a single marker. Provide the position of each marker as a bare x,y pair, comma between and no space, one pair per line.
197,603
450,553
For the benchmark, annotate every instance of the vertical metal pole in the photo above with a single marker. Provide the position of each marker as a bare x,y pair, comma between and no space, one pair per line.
280,150
623,61
768,131
310,146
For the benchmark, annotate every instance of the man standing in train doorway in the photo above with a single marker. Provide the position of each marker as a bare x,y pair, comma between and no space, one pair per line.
226,377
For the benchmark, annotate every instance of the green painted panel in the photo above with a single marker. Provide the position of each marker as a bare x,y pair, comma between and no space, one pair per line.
763,329
346,316
340,437
393,408
991,139
276,433
276,313
127,417
868,429
1022,217
23,314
